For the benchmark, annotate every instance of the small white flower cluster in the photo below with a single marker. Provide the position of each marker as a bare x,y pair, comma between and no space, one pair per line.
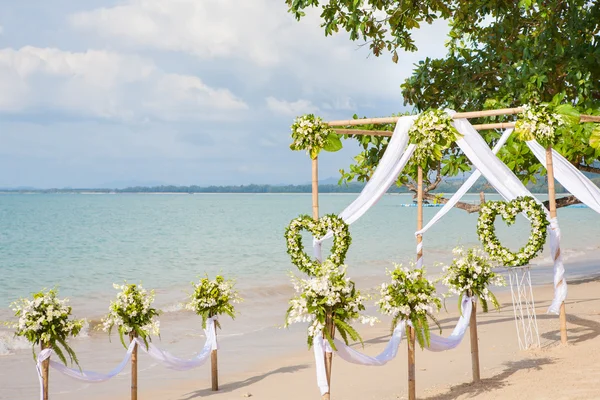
409,294
433,132
319,228
331,293
45,318
539,123
309,133
213,297
487,233
132,311
471,273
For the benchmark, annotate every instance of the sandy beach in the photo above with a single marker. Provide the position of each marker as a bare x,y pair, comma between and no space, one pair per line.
286,369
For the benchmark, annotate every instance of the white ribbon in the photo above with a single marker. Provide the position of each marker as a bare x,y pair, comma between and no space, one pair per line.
165,357
346,353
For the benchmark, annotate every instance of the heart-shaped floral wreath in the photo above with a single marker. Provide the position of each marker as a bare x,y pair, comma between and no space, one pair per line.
509,211
319,228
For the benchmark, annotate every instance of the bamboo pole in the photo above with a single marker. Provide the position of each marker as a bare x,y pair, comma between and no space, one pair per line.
474,343
552,201
134,367
45,373
214,370
365,132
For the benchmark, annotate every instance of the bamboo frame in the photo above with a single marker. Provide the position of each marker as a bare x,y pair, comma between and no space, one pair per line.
214,369
134,367
45,373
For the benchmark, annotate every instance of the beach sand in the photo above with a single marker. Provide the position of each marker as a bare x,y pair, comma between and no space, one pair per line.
553,371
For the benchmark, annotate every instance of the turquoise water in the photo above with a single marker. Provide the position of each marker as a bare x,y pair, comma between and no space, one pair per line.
84,243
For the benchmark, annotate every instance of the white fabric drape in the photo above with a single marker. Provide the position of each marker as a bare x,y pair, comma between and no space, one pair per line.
391,164
165,357
346,353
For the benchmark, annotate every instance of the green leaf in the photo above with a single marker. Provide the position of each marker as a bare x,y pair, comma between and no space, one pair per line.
333,143
595,138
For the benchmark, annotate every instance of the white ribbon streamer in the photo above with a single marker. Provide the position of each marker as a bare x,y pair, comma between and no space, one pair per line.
346,353
165,357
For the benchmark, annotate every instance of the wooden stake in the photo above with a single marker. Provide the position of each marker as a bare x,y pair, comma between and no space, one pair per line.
552,201
134,369
474,343
45,372
481,197
214,370
329,356
412,383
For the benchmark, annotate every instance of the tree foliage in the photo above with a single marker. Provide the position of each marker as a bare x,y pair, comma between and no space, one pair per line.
501,53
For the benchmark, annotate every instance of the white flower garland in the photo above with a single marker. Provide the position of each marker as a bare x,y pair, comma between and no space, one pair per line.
410,297
328,293
433,132
310,133
132,313
508,211
46,320
330,222
538,122
213,297
471,273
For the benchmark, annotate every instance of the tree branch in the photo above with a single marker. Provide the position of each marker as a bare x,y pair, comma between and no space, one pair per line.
564,201
587,168
470,208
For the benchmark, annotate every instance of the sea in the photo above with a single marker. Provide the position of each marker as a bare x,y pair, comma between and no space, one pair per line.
83,243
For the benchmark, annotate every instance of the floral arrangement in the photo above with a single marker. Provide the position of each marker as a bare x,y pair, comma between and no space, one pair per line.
538,122
46,320
329,296
432,132
310,133
213,297
132,313
410,297
471,273
319,228
509,211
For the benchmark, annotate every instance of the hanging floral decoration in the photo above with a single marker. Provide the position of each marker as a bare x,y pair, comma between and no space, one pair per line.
310,133
319,228
471,274
538,122
132,313
212,298
46,320
410,297
487,233
327,294
432,133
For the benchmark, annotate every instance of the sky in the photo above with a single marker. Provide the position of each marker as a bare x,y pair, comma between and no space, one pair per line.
115,93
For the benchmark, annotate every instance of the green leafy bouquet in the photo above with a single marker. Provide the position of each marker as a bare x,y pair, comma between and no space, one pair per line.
132,313
213,297
410,297
328,294
310,133
432,132
46,320
471,273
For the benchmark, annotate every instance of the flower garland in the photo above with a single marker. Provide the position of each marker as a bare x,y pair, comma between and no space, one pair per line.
132,313
310,133
328,294
213,297
330,222
508,211
471,273
538,122
410,297
433,132
46,320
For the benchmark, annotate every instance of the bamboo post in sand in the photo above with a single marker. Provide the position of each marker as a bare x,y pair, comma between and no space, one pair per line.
45,373
214,370
474,342
134,369
552,201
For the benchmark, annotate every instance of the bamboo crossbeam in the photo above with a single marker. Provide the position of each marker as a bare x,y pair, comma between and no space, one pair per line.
365,132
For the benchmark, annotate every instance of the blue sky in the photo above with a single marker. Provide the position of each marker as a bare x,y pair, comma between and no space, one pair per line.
179,92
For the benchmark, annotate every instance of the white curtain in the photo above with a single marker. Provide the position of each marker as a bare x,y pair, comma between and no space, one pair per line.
346,353
165,357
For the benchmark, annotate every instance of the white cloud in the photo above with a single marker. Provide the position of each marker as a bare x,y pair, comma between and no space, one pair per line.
291,108
105,84
1,29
